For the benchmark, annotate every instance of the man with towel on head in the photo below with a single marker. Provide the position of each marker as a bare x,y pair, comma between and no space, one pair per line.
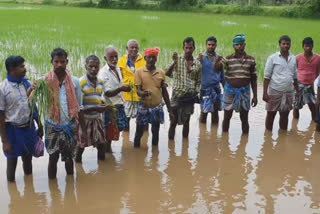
150,82
240,73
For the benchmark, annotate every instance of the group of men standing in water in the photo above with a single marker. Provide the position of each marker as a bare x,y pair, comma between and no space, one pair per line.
92,110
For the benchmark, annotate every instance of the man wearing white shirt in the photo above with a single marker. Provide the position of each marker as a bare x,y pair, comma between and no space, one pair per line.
280,80
112,79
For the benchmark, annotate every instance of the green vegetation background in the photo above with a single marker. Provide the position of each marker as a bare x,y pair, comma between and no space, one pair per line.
34,30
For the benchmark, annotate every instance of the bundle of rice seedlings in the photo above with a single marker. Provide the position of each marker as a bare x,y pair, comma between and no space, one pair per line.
132,92
41,99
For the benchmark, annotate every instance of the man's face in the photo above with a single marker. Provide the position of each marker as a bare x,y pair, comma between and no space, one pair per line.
133,49
59,64
151,60
188,48
19,71
211,46
285,45
307,48
92,68
112,58
239,48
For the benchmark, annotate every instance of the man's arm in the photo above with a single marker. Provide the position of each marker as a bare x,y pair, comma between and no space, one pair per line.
6,145
112,93
172,67
165,95
265,89
253,78
142,93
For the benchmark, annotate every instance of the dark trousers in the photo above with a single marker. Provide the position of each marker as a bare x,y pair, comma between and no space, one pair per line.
155,127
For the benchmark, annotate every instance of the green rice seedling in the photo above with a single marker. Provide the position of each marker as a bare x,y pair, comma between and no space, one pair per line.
42,98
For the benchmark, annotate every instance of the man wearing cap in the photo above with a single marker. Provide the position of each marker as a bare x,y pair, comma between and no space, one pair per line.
280,80
150,82
186,74
240,73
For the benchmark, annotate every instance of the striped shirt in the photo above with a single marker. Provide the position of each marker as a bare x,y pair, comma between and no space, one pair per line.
184,82
238,68
91,95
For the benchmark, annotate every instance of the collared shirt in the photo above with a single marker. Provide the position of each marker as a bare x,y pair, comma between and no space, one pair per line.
210,78
281,72
237,68
184,82
152,82
128,75
111,82
91,94
308,71
14,102
64,112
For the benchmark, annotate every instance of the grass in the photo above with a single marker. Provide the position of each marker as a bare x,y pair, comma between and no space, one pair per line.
34,30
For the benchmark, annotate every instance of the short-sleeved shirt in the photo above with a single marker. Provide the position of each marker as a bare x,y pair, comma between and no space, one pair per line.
308,71
210,78
281,72
184,82
91,94
128,75
14,102
152,82
238,68
111,81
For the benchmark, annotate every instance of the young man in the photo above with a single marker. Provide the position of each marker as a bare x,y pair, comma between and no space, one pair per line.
151,85
308,65
240,73
92,90
129,64
186,73
111,76
211,79
17,129
61,124
280,80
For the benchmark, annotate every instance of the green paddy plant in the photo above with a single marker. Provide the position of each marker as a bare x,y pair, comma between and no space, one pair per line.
41,98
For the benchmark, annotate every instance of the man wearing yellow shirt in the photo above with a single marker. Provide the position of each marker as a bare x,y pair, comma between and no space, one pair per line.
129,64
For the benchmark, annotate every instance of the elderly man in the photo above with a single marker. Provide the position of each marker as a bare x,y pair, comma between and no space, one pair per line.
308,70
186,73
211,79
112,79
129,64
280,79
151,85
240,73
18,133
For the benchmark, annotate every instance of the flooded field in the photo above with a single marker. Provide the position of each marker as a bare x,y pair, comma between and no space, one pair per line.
211,172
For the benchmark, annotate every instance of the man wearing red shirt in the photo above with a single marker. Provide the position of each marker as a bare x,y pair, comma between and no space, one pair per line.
308,64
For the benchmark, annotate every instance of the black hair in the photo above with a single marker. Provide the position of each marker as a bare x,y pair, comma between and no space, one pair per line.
93,58
189,40
58,52
284,38
211,38
13,61
307,41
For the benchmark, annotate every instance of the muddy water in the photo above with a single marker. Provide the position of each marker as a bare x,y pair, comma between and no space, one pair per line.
211,172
